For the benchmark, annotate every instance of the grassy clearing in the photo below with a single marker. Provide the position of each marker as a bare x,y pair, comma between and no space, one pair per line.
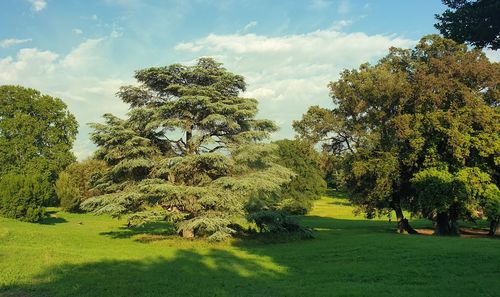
86,255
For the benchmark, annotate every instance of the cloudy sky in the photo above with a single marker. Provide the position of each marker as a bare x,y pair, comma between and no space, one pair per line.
83,51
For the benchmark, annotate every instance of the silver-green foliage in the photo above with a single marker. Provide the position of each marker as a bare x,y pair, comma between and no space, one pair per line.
189,151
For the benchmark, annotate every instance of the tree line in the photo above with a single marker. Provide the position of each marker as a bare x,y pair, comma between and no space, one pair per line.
417,132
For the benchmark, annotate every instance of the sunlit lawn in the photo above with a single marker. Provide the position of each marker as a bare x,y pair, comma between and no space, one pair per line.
87,255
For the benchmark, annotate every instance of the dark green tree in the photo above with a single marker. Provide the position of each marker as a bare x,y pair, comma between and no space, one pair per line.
472,21
24,195
188,151
432,106
308,183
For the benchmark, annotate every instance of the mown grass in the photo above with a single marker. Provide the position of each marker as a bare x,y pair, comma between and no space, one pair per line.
86,255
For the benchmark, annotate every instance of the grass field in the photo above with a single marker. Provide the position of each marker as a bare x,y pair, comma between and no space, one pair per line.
86,255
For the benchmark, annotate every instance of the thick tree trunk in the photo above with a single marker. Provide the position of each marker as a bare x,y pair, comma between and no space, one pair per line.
188,233
403,224
442,226
445,225
494,227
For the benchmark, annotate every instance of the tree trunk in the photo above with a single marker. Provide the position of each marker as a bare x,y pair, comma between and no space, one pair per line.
189,136
494,227
446,225
188,233
442,224
403,224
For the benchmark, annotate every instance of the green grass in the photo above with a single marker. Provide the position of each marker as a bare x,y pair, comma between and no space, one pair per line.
86,255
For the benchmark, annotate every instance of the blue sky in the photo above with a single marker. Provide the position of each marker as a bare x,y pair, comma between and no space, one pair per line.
83,51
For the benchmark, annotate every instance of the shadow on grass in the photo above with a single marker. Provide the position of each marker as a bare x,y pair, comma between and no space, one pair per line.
188,273
150,231
52,218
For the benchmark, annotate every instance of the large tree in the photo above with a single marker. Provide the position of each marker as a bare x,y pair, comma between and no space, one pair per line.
434,106
188,151
475,22
36,136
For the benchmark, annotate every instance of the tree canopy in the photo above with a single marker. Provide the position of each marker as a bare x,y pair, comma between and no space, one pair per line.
36,131
188,152
434,106
475,22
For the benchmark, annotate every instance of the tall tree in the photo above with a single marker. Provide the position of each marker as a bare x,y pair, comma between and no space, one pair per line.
36,136
188,151
36,131
432,106
475,22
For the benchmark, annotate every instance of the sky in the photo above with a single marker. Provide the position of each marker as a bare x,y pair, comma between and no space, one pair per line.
288,51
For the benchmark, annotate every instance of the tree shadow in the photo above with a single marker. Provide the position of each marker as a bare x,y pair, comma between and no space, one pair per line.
150,231
188,273
52,218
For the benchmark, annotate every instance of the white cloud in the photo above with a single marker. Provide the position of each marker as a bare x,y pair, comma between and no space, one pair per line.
249,26
339,25
11,42
77,31
493,55
38,5
82,78
287,74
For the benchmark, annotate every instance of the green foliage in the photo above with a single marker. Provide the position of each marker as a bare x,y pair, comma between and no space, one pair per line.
36,132
23,196
308,183
432,106
77,183
436,191
472,21
187,153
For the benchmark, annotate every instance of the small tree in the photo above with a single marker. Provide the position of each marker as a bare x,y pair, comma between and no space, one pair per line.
77,183
308,183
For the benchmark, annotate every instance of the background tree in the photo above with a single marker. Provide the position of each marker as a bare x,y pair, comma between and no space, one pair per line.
475,22
187,152
36,136
433,106
77,183
308,183
36,131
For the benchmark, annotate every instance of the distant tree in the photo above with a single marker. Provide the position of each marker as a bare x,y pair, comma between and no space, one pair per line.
434,106
36,131
188,151
77,183
308,183
36,136
475,22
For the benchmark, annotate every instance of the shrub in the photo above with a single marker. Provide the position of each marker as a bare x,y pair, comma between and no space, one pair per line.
76,183
23,196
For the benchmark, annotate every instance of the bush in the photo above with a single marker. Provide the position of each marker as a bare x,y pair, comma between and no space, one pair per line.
76,183
23,196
